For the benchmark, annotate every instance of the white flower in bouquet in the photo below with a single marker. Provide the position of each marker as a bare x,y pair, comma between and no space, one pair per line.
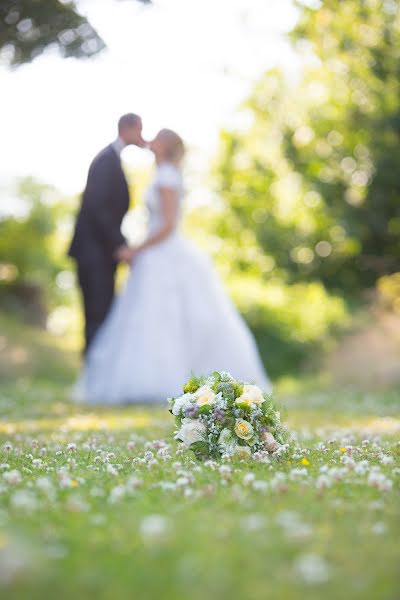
270,442
191,431
241,452
181,403
251,395
205,395
225,441
244,429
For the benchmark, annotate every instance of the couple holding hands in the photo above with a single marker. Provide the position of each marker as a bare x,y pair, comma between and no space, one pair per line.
173,317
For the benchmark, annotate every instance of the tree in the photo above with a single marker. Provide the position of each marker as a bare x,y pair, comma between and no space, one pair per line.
30,252
28,27
314,180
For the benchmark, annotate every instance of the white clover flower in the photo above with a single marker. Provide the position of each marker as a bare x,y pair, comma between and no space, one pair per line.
260,485
261,456
278,482
298,474
288,519
97,492
167,485
182,481
225,471
312,569
360,468
45,485
12,477
337,473
116,494
323,481
211,464
191,431
387,460
24,500
379,528
16,560
133,483
248,478
154,527
253,522
111,470
380,481
77,504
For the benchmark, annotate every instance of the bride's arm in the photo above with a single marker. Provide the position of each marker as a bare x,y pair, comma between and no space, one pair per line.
169,211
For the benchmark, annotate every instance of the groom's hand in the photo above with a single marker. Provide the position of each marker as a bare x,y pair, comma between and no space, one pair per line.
123,254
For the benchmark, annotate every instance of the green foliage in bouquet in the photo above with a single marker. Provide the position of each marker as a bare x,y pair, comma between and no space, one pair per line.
219,416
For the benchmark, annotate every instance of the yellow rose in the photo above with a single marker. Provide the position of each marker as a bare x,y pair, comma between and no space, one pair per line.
251,395
204,395
244,429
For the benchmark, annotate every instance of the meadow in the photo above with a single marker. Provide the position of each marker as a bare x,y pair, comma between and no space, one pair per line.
104,503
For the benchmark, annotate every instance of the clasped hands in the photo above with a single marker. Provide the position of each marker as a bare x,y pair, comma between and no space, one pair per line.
126,253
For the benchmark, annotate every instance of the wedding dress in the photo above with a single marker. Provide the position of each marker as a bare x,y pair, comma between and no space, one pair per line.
172,319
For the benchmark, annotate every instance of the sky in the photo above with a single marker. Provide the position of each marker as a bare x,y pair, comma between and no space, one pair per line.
184,64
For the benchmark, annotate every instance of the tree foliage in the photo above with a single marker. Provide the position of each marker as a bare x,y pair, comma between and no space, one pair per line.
313,182
28,27
31,255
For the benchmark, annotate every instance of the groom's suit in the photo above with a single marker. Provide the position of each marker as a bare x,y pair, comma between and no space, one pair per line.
98,234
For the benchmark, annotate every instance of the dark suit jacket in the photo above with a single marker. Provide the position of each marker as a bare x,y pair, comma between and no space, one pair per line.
105,202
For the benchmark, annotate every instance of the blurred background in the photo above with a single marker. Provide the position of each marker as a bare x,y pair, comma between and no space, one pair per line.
291,113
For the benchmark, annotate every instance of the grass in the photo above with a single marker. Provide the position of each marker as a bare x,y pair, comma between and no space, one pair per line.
104,512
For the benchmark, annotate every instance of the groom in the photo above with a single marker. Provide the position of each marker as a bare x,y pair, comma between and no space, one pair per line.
98,244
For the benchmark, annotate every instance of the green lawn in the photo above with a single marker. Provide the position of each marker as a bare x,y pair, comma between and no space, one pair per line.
92,507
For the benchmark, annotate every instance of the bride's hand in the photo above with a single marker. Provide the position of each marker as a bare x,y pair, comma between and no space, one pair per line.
134,251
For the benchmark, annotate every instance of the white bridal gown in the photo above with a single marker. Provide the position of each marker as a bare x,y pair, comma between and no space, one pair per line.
172,319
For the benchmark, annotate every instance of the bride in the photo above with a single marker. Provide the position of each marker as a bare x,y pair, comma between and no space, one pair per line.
173,317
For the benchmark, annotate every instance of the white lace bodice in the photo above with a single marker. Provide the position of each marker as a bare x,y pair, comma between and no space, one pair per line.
166,175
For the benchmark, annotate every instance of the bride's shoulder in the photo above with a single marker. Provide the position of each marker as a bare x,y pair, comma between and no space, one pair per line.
169,175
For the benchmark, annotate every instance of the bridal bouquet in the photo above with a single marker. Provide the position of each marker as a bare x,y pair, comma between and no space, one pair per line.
219,416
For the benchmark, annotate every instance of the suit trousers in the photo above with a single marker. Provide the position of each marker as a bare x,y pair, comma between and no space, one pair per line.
97,283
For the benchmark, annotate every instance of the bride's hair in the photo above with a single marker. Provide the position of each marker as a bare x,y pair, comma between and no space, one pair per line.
174,146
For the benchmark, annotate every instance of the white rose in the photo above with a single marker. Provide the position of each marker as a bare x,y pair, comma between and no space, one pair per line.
181,403
205,395
192,431
252,394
